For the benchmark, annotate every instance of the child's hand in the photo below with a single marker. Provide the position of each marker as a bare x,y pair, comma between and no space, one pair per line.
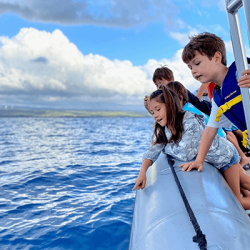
244,81
140,181
191,165
146,102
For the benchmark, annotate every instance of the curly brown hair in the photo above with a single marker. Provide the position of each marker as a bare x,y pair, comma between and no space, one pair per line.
206,44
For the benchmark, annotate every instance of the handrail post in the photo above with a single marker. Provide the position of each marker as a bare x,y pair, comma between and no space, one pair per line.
232,7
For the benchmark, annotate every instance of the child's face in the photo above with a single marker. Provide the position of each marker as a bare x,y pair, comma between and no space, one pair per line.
161,82
158,111
202,68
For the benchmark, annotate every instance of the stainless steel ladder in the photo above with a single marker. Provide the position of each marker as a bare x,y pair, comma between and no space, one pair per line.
232,7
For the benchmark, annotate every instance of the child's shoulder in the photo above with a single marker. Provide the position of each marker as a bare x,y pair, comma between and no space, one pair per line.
189,116
192,118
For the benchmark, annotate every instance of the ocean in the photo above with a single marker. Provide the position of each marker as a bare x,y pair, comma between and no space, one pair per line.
65,183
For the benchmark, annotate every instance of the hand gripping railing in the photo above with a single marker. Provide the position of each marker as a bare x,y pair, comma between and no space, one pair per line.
232,7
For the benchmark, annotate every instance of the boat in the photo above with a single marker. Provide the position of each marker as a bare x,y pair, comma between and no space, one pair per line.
161,221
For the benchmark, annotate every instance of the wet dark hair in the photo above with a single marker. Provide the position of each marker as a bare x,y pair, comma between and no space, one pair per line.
180,90
163,73
206,44
174,115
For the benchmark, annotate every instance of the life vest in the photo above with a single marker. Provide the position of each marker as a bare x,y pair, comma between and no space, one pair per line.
229,100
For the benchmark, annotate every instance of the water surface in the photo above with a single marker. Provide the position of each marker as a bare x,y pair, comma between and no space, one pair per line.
65,183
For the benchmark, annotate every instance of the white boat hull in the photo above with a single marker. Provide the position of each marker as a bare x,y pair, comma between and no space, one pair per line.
160,219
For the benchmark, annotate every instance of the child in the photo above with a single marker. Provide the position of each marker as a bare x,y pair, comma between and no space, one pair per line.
205,55
182,93
163,76
178,134
232,133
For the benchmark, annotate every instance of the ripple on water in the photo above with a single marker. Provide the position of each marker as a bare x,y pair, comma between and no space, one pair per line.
65,183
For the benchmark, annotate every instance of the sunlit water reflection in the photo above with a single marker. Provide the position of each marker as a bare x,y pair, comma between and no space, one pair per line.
65,183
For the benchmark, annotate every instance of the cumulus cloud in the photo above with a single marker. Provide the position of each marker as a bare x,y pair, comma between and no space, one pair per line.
108,12
47,65
183,37
51,68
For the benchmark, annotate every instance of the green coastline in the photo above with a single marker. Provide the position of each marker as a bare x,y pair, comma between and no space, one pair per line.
68,113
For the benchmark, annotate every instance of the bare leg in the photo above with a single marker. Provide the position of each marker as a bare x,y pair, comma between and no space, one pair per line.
243,158
244,180
232,176
244,192
238,133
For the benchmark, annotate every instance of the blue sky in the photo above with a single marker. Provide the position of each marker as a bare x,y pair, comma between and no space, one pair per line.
99,55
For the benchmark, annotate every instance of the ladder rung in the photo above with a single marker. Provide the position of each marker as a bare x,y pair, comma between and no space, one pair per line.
233,6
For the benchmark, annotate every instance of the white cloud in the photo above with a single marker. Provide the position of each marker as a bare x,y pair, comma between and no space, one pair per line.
51,68
183,38
47,64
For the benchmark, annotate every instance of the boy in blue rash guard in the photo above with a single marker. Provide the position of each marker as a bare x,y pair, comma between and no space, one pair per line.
205,55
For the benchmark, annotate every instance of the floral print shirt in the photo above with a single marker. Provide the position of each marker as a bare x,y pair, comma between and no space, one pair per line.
219,154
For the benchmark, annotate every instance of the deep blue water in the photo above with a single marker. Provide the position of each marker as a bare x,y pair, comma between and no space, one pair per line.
65,183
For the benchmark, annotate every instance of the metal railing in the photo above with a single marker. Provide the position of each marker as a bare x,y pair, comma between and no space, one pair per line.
232,7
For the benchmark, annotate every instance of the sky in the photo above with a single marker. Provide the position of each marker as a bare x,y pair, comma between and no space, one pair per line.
99,54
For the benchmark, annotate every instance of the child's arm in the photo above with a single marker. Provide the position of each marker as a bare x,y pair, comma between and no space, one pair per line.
203,106
141,179
149,157
244,81
202,90
206,141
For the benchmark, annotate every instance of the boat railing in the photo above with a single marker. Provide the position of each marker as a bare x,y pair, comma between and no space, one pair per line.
232,8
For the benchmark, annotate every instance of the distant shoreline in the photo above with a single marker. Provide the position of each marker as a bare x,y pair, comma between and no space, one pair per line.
68,113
